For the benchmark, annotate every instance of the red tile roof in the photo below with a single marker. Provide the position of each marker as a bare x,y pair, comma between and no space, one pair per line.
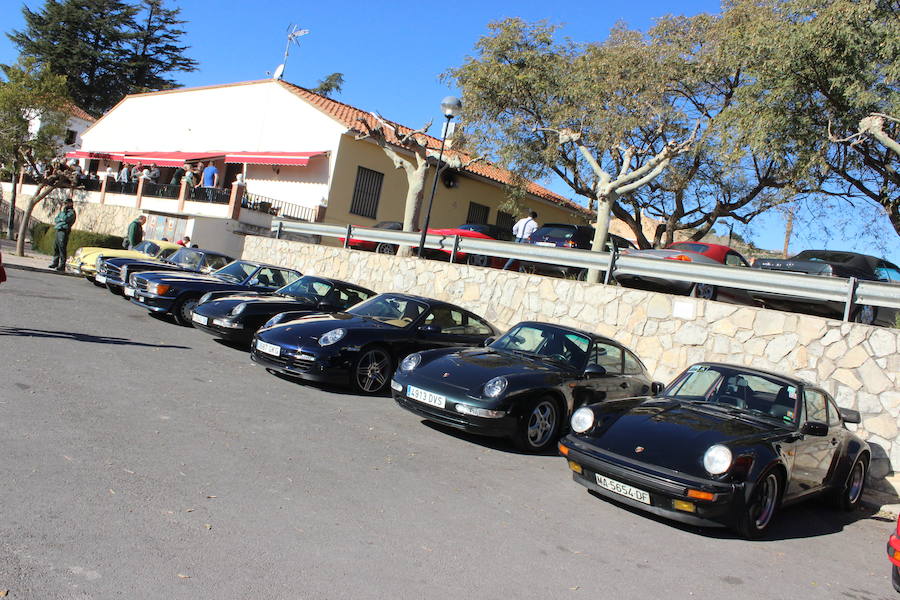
349,116
79,113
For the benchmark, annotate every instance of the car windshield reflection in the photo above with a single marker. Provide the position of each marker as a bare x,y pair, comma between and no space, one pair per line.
395,311
730,389
306,287
237,271
545,341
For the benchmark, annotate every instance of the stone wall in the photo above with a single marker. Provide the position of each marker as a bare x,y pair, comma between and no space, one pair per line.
858,364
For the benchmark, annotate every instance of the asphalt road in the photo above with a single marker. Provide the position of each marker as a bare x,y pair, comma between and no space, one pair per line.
139,459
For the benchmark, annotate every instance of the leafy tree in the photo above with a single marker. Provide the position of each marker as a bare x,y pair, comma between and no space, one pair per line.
155,50
106,48
30,95
330,85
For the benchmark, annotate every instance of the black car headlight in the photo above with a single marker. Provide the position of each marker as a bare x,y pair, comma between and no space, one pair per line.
495,387
332,337
411,362
717,459
205,298
582,419
238,309
275,320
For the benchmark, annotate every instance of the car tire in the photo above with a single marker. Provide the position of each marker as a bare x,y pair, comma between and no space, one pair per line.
847,495
895,577
182,310
383,248
116,289
762,506
539,425
372,370
704,291
95,282
865,314
478,260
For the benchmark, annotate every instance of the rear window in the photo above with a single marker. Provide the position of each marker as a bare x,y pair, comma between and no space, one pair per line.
690,247
555,231
838,257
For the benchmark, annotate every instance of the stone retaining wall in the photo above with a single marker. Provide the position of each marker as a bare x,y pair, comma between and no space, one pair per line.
858,364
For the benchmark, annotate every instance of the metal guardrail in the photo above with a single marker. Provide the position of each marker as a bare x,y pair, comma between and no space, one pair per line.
846,291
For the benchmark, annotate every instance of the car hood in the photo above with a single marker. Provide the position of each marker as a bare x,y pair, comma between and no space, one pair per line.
313,326
671,434
475,366
90,254
176,277
144,260
268,304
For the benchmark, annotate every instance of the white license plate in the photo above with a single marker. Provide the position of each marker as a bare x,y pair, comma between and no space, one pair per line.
426,396
199,319
100,278
623,490
545,244
129,291
268,348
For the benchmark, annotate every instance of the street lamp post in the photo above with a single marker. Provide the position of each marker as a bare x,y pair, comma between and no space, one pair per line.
451,107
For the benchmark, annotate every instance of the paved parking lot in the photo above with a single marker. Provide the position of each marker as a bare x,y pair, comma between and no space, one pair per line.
140,459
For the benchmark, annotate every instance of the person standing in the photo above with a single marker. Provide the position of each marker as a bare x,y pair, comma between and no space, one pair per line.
136,231
522,231
154,173
210,180
178,173
190,180
63,226
124,174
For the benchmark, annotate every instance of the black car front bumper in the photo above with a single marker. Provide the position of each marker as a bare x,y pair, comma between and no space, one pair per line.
665,488
504,426
318,366
215,324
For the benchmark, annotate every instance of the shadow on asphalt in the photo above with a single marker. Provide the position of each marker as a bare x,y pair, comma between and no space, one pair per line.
812,518
80,337
492,443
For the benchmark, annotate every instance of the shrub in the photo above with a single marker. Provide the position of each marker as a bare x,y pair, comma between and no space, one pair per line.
77,239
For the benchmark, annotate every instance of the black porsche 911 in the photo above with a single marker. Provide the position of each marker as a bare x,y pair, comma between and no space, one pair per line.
363,345
523,386
236,317
722,445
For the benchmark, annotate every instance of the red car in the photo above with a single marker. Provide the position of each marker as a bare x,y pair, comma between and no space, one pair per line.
379,247
893,552
478,260
2,270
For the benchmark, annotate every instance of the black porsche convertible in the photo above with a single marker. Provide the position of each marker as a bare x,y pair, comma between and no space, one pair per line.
363,345
236,317
523,386
722,445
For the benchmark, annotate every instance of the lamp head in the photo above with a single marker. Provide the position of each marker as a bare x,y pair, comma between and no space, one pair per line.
451,106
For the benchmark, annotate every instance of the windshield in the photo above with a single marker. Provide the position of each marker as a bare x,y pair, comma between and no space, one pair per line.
188,258
146,247
734,389
307,287
546,341
237,271
396,311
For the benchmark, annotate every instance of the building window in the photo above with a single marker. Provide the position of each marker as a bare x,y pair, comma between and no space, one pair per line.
70,136
366,193
478,213
505,220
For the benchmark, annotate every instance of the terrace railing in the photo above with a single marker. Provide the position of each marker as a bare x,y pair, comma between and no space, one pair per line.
280,208
161,190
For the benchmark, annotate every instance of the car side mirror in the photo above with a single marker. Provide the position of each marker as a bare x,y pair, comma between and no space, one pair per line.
430,329
326,307
488,341
849,415
593,371
656,387
814,428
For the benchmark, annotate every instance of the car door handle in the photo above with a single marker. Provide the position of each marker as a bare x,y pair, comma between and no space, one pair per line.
623,385
834,442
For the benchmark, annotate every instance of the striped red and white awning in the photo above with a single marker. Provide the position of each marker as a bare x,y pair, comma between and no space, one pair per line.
300,159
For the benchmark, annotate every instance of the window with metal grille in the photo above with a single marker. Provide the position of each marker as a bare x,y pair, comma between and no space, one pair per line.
505,220
366,192
478,213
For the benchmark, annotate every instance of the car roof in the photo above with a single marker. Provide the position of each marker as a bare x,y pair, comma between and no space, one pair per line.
715,251
339,282
853,259
262,264
786,378
429,301
590,334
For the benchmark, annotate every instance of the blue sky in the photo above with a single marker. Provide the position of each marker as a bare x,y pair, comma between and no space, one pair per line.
392,53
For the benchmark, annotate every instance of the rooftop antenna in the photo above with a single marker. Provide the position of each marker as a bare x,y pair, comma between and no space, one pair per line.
294,35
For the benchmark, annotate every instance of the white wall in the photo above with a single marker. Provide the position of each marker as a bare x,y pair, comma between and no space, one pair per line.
306,186
216,234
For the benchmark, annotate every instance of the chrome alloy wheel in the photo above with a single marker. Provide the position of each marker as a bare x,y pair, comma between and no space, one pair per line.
541,423
857,479
766,498
373,371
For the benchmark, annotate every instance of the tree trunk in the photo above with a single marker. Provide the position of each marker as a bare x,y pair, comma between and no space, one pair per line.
788,230
12,198
23,226
415,193
605,202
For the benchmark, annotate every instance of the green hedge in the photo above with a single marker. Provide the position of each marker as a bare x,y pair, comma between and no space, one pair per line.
43,237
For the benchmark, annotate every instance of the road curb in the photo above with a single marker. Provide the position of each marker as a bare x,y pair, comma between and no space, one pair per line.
8,265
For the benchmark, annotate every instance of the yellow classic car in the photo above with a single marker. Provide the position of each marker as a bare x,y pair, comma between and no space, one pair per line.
84,261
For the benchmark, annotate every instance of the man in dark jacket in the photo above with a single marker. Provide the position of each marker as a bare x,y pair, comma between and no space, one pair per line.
63,226
136,231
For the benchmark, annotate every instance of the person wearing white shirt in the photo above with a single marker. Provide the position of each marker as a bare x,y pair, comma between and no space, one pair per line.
522,231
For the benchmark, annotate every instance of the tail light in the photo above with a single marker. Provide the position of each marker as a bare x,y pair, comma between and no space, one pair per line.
570,244
681,257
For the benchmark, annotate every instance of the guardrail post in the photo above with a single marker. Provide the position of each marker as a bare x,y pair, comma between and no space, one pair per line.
851,294
347,238
278,231
612,265
455,249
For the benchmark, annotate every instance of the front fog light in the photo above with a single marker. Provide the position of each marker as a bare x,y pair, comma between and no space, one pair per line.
396,386
495,387
480,412
582,420
717,459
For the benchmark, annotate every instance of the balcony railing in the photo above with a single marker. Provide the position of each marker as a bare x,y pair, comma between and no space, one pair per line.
119,187
161,190
279,208
206,194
